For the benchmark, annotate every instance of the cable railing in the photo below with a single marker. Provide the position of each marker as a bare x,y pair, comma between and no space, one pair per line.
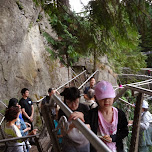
70,80
87,79
38,101
3,103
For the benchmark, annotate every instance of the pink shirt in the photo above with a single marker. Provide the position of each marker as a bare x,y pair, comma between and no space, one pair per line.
106,128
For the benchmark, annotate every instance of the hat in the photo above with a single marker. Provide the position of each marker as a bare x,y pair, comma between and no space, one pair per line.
145,104
104,90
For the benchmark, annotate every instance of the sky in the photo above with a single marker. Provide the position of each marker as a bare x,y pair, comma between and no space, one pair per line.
77,6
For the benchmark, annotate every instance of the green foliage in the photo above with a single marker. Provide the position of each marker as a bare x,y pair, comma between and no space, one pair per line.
20,6
119,37
108,29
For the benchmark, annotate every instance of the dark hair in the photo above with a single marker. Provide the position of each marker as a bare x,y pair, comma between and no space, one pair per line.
50,90
71,93
12,102
91,78
90,93
24,90
11,113
145,109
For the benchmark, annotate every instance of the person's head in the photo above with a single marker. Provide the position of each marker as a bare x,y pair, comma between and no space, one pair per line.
104,94
145,105
13,102
12,113
92,82
51,91
71,97
25,92
90,93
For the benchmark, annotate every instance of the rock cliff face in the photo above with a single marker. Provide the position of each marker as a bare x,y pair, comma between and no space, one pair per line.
105,72
24,62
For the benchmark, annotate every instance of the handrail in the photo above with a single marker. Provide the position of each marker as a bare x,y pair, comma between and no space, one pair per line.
2,120
94,140
17,138
139,89
127,102
61,86
136,75
3,103
70,80
88,79
136,83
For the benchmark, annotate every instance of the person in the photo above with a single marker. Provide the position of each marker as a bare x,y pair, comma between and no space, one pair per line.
46,100
24,127
91,86
11,130
107,122
27,107
90,99
74,141
51,91
145,140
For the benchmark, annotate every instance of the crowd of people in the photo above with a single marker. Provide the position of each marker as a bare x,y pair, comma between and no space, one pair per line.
97,112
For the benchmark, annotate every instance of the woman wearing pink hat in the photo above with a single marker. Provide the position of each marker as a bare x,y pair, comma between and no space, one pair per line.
106,121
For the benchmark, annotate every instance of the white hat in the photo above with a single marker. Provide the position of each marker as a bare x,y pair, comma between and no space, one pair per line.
145,104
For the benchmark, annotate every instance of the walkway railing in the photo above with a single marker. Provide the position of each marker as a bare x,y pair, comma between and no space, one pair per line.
88,79
38,101
137,113
94,140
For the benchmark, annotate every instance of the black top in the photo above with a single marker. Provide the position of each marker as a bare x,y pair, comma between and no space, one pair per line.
81,108
122,129
86,89
27,105
45,100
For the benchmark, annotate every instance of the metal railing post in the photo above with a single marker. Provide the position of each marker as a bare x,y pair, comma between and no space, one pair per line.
46,113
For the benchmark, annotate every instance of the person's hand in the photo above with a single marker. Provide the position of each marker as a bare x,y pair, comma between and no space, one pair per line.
86,97
33,132
88,126
107,138
130,122
29,128
75,115
27,124
31,119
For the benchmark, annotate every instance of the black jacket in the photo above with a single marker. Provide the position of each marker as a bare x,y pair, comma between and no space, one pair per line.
122,129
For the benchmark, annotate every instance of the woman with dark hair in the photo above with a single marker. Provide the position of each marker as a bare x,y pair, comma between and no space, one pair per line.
74,140
11,130
24,127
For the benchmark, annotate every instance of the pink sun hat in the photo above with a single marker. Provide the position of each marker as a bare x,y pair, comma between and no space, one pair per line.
104,90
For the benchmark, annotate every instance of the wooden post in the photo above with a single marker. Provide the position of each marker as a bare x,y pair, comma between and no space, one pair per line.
46,113
136,124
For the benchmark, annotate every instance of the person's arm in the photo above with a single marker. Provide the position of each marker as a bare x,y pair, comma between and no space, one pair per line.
27,129
75,115
33,132
27,124
31,117
122,129
25,114
146,121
